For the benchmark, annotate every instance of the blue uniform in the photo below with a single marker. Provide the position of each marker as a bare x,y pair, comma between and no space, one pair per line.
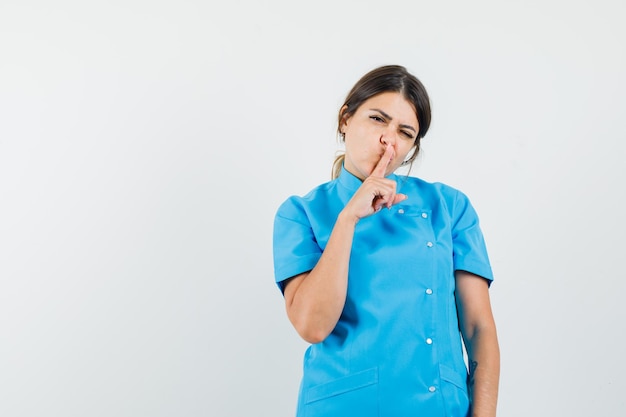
396,350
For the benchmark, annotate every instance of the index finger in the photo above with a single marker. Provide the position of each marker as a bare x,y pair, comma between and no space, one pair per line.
381,167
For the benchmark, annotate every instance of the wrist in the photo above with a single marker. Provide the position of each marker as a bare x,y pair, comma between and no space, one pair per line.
347,219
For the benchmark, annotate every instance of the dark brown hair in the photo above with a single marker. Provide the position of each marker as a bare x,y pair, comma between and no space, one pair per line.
389,78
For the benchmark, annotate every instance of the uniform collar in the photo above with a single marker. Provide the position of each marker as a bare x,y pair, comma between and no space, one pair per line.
352,182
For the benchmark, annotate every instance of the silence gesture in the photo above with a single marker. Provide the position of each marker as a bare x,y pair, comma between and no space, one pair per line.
376,191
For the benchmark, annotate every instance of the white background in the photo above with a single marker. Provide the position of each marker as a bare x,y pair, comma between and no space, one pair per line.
145,146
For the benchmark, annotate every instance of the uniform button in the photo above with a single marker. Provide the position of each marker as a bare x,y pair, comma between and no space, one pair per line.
401,211
429,291
429,244
432,389
429,341
424,215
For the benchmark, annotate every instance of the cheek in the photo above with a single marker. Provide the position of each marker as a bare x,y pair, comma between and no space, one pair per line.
405,149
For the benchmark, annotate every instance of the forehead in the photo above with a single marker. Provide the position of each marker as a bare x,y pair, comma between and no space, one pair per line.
394,104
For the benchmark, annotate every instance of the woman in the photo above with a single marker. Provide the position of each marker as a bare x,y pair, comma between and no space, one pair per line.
379,272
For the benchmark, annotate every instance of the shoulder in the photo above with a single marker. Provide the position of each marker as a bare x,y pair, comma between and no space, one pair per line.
296,205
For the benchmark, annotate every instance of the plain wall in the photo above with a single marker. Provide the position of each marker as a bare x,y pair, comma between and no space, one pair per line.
145,147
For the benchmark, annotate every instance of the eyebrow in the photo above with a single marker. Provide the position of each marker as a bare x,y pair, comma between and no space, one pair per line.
391,118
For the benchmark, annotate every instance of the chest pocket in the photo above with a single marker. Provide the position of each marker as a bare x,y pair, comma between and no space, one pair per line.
417,222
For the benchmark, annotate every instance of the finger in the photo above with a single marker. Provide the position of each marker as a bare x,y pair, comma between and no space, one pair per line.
395,199
381,167
399,198
387,197
378,204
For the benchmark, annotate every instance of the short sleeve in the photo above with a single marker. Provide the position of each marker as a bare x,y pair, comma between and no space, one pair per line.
469,249
295,247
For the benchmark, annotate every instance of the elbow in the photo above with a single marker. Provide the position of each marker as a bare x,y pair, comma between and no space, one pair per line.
311,332
312,325
313,336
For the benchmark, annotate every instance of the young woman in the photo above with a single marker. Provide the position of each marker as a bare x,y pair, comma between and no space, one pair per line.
380,272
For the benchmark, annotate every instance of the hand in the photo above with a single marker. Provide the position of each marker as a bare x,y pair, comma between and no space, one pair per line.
376,191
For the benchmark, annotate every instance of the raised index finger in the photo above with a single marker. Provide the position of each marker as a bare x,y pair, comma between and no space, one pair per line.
381,167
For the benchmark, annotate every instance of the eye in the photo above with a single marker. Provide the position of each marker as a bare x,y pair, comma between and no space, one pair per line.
377,118
407,134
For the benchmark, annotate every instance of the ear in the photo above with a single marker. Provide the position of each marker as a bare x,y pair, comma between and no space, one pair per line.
344,118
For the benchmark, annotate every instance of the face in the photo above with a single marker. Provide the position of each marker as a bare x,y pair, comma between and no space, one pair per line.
387,118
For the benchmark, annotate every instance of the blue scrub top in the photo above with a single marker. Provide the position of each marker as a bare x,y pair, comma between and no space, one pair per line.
397,349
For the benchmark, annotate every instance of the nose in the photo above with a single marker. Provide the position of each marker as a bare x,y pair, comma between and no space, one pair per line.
388,137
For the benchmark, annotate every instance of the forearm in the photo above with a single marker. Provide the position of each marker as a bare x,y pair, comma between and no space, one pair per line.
319,298
484,359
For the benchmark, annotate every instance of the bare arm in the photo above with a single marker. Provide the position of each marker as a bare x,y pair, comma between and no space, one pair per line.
479,333
314,300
